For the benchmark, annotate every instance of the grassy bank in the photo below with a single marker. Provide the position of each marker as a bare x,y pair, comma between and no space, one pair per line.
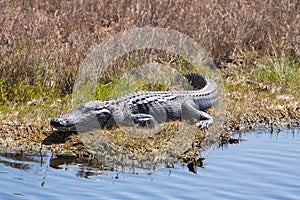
254,44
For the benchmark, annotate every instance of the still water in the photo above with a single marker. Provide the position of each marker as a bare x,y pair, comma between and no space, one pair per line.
262,166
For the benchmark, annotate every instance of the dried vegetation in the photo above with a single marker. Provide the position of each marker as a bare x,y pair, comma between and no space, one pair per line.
43,43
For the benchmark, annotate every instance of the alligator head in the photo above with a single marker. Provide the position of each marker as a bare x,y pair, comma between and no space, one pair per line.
87,116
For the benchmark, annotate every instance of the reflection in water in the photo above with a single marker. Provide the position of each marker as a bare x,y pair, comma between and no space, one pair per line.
86,167
20,160
92,167
15,165
263,166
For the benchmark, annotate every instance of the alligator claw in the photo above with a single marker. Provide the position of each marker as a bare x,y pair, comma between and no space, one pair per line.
204,123
143,120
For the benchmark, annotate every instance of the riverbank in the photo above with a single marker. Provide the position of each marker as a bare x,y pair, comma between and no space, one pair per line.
43,44
252,101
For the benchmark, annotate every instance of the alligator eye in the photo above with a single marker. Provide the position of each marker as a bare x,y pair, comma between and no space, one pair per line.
104,112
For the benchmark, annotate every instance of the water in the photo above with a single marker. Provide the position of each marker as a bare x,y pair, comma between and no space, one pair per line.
263,166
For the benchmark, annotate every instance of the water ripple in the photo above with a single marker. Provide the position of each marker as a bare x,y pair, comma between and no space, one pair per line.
263,166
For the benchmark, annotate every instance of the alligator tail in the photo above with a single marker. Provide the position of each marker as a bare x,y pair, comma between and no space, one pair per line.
197,81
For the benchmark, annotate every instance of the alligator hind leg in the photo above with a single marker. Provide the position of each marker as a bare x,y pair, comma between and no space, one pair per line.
190,113
143,120
204,122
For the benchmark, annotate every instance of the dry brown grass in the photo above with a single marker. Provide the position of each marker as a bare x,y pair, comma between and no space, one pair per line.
44,42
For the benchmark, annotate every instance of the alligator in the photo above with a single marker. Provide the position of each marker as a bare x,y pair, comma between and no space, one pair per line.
145,108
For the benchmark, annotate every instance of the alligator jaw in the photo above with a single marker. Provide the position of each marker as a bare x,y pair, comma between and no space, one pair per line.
65,123
61,126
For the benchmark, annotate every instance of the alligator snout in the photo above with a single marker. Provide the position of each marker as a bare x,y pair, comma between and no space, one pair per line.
62,125
56,122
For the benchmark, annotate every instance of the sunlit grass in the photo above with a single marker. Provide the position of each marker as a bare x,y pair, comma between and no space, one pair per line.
280,71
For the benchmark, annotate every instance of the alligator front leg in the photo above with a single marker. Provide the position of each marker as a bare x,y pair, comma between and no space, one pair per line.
190,113
144,120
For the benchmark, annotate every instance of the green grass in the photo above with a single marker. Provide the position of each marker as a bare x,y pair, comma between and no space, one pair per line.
114,90
280,71
104,91
273,75
19,101
20,92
